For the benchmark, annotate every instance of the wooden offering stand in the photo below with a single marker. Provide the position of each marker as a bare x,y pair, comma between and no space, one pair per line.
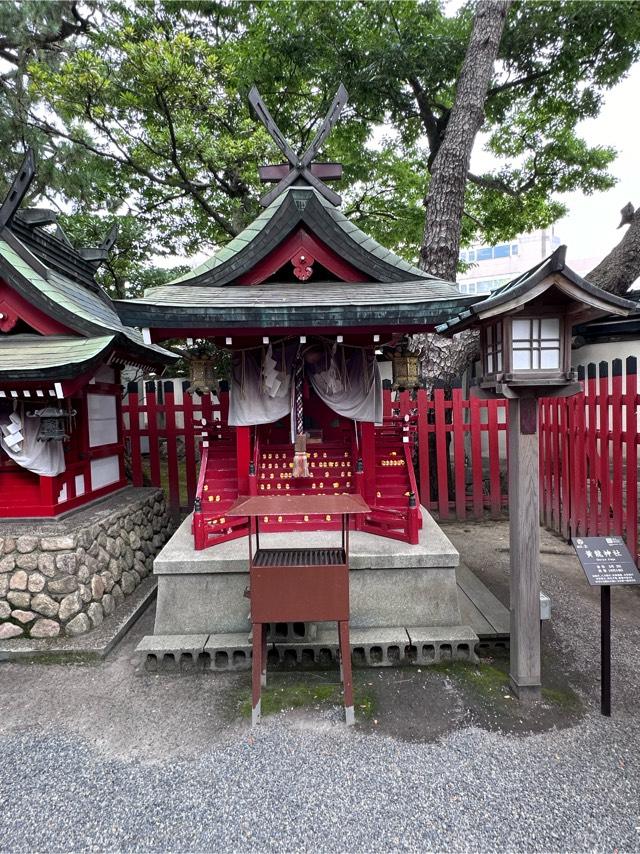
298,584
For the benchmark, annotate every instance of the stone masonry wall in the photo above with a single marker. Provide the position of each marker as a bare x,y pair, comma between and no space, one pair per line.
63,577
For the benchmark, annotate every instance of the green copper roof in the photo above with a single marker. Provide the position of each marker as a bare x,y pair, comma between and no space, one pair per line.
226,252
76,306
301,197
33,355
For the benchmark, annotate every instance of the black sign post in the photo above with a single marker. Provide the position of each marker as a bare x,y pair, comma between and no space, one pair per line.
606,561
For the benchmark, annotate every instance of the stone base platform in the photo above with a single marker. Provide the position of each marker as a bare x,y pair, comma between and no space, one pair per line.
404,599
391,584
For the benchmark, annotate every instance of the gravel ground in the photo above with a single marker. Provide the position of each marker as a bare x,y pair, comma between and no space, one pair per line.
99,759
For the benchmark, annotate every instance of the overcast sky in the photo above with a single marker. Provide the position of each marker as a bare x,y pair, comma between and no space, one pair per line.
590,227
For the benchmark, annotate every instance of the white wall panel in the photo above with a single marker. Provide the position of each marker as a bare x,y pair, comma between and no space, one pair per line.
104,472
103,419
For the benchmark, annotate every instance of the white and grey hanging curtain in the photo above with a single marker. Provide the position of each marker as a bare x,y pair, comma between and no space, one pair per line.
260,388
43,458
347,379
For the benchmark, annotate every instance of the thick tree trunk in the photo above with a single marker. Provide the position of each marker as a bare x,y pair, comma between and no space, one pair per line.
621,267
445,200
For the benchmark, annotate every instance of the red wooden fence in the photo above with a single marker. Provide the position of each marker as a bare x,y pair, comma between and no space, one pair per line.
589,455
460,443
588,449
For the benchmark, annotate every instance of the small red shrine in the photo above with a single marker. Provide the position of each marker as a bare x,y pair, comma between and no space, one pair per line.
62,348
306,304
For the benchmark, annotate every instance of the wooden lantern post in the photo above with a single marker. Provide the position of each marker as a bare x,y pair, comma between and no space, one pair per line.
524,546
525,349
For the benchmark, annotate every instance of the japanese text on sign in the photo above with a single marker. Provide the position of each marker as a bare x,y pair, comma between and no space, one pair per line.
606,560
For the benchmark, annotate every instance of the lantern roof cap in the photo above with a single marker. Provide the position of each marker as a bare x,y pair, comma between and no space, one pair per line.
551,272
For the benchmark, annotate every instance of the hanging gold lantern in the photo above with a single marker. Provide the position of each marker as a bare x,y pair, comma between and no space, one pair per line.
405,370
202,375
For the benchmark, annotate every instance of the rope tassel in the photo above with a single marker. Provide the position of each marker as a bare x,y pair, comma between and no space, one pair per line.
300,464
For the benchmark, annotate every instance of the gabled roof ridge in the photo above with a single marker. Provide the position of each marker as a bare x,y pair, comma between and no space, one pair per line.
79,308
349,231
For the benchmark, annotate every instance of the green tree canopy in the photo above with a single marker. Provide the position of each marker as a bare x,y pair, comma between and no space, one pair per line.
139,110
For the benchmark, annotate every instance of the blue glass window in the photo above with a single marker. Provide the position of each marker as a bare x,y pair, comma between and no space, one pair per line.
484,254
501,251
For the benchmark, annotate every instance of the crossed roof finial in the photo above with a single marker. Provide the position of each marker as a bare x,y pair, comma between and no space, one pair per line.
300,167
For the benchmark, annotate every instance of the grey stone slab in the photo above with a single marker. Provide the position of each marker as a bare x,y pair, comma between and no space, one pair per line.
171,643
442,634
406,596
365,637
236,640
367,551
198,603
493,611
194,604
473,617
80,519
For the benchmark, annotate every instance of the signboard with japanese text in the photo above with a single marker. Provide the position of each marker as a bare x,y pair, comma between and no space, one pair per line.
606,560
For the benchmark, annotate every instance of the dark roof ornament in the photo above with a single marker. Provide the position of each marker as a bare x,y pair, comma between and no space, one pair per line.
300,169
18,189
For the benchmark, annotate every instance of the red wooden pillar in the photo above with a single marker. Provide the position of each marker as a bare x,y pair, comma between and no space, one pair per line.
152,432
413,520
189,443
368,455
172,450
243,458
423,448
616,446
604,470
134,433
631,449
199,532
49,490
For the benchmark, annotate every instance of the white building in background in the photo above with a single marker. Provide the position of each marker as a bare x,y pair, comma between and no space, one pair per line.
492,266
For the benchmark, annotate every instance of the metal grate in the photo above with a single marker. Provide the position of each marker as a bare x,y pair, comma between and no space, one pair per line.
299,557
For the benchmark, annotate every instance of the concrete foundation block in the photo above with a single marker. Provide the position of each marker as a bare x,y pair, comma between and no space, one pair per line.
290,632
230,651
378,647
433,645
167,653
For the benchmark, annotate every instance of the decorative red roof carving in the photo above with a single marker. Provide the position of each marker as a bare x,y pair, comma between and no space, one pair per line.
8,317
300,243
302,263
17,307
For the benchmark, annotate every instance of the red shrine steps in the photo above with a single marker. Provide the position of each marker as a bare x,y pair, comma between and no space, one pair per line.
333,468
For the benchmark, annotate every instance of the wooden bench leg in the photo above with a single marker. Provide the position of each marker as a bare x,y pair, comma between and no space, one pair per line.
345,659
256,673
263,673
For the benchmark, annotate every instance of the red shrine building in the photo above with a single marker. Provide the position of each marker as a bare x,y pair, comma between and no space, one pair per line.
62,348
306,304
